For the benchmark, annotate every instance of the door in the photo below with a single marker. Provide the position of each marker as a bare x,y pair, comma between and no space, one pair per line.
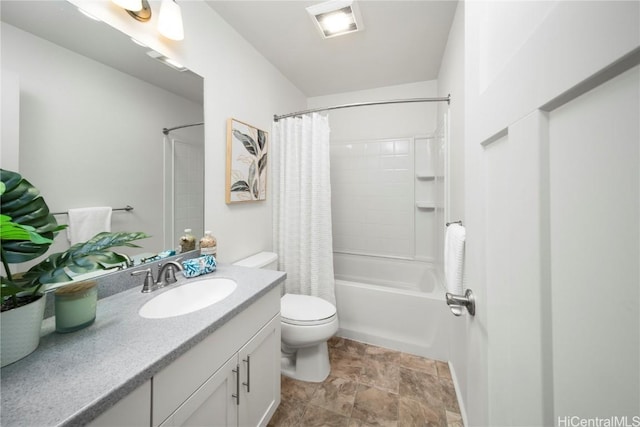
594,164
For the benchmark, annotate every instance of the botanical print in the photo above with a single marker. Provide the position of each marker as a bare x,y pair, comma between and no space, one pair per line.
246,162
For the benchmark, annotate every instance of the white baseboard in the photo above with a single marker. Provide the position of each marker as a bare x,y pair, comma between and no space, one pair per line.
463,411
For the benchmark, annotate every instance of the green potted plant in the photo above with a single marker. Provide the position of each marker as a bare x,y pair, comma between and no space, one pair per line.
28,229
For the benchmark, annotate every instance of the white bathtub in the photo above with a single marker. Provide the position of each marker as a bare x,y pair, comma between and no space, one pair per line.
392,303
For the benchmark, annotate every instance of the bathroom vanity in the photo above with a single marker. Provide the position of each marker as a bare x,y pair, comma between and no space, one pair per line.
218,365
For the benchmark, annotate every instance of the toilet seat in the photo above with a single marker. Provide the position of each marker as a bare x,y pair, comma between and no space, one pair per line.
306,310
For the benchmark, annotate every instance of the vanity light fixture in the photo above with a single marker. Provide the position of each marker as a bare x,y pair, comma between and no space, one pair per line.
166,60
138,9
170,20
336,17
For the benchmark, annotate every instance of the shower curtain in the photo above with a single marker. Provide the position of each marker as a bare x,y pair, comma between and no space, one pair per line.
302,205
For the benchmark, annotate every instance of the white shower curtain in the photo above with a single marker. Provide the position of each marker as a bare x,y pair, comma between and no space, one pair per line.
302,205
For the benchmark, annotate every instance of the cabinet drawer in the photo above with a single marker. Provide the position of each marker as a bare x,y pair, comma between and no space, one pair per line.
174,384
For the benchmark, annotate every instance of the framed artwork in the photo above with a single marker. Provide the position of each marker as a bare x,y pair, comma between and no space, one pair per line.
247,148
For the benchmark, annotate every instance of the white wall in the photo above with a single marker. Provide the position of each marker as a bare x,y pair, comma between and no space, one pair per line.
381,121
10,111
239,83
547,50
451,80
90,135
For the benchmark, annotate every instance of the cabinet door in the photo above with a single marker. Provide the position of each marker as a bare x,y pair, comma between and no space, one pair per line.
213,403
260,376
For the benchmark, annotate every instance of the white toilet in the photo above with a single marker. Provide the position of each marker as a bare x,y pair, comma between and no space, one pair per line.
307,323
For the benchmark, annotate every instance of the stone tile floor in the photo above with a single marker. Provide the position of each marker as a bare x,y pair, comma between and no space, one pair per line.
371,386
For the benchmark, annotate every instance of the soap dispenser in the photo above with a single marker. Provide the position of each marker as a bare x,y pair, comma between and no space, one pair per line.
208,244
187,242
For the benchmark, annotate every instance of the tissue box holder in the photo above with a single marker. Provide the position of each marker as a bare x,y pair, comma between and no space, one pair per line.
198,266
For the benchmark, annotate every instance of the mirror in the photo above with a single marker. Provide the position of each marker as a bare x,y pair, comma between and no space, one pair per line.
92,106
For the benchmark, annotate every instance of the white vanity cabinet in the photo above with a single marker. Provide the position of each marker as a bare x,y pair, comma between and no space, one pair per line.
244,392
133,410
230,378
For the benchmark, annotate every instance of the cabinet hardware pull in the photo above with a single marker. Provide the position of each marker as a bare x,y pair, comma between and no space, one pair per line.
248,361
237,395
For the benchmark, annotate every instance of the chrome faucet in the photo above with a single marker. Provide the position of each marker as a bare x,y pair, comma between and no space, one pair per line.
128,262
166,276
167,273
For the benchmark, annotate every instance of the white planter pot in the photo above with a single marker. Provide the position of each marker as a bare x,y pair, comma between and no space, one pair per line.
20,331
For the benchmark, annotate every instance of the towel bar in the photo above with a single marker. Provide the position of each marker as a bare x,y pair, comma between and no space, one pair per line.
126,208
456,301
453,222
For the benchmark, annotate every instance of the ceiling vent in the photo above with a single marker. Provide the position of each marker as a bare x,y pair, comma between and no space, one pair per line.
336,17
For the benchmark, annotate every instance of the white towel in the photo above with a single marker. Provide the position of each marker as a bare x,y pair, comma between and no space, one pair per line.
454,258
84,223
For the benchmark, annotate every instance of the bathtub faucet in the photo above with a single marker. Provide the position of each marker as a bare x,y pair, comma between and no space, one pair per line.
455,302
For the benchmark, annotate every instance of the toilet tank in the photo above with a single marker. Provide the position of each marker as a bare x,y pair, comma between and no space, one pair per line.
266,260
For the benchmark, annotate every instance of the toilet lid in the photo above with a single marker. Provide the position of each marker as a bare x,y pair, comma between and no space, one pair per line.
299,309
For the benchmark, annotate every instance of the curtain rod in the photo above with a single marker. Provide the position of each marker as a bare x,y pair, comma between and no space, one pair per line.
166,131
363,104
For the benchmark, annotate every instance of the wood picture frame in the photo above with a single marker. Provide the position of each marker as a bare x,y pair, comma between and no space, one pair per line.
247,153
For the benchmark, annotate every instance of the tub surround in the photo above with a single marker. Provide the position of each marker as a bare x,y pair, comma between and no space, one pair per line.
72,378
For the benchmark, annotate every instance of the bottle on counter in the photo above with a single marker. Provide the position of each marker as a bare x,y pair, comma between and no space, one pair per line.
208,244
187,242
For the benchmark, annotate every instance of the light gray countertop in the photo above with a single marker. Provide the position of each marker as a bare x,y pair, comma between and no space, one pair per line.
72,378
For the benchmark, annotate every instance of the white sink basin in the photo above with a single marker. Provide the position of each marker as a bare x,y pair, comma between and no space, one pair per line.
188,298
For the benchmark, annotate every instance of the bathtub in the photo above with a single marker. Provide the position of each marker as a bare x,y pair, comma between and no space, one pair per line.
392,303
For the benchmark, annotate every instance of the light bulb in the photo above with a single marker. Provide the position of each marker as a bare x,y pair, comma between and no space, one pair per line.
170,20
133,5
336,22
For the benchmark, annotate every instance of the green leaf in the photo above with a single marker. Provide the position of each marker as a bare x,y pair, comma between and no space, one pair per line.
8,288
12,231
23,203
247,141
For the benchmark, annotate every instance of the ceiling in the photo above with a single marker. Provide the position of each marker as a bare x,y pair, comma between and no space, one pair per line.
402,42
